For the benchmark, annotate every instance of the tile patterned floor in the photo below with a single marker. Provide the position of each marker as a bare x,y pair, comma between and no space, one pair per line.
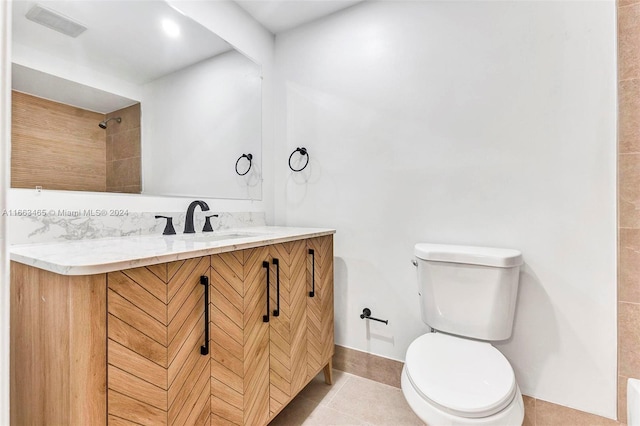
352,400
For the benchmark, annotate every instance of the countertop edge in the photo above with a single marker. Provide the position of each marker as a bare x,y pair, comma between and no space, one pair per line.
103,268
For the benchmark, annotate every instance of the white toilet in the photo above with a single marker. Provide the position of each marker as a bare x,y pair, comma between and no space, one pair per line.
454,376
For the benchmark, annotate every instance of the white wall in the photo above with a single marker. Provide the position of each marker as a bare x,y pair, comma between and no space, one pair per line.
5,135
231,23
481,123
42,61
197,122
234,25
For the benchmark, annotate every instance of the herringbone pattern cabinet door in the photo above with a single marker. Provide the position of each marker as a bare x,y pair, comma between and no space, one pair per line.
257,367
227,338
239,338
287,334
256,338
156,374
320,343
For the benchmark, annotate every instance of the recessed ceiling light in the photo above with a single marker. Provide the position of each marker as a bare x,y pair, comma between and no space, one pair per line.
170,28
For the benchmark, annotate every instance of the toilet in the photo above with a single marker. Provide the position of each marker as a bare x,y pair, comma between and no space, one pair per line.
454,376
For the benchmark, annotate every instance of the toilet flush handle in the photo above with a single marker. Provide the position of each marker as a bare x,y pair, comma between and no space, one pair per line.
414,262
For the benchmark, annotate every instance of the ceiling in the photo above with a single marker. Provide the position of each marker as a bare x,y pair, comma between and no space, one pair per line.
47,86
281,15
105,51
106,47
125,38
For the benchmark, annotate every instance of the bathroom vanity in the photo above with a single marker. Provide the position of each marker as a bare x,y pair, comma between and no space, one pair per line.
185,329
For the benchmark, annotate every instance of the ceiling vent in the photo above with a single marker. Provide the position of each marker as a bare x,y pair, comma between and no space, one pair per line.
55,21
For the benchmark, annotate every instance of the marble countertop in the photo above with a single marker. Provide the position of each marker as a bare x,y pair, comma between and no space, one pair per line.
97,256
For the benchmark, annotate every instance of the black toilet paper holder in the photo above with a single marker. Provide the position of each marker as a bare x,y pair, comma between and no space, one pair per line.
366,314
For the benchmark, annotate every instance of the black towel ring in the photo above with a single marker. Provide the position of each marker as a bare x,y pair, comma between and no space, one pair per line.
248,157
302,151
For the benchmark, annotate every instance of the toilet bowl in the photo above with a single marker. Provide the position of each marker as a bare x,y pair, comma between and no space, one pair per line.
454,376
449,380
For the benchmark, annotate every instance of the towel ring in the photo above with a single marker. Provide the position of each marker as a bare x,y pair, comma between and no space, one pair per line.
302,151
248,157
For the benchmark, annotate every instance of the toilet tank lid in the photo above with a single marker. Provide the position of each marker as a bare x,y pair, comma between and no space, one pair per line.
487,256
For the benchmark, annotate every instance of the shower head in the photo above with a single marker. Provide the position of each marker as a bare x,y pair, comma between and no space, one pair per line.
103,124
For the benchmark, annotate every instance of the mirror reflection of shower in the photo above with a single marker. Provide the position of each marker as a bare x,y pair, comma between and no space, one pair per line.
103,124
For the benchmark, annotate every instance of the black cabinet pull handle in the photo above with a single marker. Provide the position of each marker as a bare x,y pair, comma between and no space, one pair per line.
265,264
312,293
204,349
276,311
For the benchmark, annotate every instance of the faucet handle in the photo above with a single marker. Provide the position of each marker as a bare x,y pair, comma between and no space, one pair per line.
168,229
207,223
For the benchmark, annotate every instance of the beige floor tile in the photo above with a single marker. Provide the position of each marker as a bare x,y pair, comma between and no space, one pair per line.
319,391
303,411
529,411
548,414
374,402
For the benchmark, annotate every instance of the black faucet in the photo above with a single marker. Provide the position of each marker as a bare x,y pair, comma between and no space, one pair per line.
188,223
168,228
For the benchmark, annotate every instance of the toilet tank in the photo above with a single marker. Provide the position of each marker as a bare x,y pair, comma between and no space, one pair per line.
468,291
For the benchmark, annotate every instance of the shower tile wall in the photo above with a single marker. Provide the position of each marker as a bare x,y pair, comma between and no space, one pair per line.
628,198
55,146
123,151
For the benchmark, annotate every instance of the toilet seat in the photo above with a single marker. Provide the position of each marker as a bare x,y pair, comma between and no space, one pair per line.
466,378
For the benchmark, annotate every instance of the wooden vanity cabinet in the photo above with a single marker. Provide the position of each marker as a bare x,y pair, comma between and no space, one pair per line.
320,339
258,366
58,348
117,348
156,372
127,347
239,338
288,372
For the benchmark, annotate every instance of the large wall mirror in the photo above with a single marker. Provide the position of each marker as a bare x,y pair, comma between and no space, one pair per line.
131,97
